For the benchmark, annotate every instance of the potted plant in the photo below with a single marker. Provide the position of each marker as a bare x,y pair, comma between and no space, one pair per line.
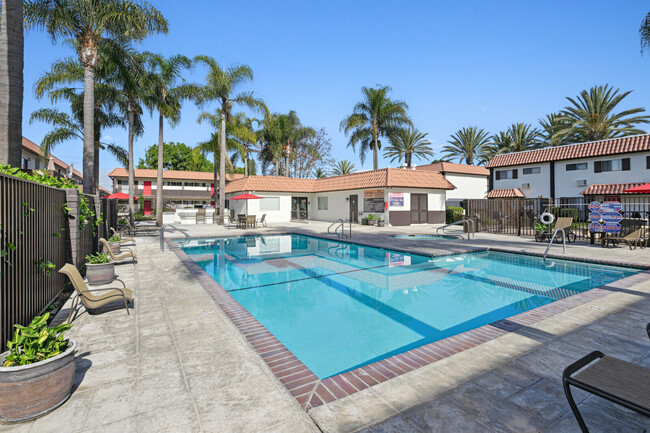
114,244
380,222
37,372
99,269
371,219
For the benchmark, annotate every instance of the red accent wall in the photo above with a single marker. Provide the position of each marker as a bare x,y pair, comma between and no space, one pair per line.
147,188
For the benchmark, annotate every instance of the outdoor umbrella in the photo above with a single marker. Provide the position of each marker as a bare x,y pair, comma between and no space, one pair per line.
246,197
120,196
641,189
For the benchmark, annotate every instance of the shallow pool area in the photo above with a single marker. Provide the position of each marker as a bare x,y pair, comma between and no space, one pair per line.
337,306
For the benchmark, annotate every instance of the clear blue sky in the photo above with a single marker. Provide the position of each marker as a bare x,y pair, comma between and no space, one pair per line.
455,63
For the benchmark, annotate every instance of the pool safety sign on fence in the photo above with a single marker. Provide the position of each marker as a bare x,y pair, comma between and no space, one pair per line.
605,217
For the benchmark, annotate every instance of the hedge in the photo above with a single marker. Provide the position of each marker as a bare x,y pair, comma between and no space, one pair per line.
454,214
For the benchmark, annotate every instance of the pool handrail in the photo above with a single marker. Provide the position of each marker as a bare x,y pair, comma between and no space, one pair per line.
471,226
341,225
188,238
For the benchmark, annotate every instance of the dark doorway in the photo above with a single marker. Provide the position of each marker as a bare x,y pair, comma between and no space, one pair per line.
354,208
299,209
419,207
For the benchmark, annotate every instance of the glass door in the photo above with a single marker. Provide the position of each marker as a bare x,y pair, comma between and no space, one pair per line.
299,208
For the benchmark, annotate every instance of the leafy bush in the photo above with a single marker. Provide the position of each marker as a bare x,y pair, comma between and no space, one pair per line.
36,342
371,217
39,176
454,214
97,259
114,238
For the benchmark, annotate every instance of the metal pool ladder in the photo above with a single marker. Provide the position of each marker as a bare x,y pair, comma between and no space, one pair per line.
172,227
471,227
341,225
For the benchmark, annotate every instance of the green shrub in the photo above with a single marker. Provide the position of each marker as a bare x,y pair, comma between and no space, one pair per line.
36,342
114,238
454,214
371,217
97,259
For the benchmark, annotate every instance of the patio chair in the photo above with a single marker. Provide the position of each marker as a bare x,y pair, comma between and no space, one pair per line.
200,216
632,240
262,221
123,256
610,378
251,221
241,221
122,239
89,299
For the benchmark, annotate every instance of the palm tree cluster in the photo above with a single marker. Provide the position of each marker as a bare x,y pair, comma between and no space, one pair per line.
590,116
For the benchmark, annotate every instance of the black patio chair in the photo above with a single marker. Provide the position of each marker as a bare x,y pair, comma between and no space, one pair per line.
610,378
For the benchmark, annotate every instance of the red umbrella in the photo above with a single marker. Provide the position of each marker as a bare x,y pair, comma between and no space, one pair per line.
641,189
246,196
120,196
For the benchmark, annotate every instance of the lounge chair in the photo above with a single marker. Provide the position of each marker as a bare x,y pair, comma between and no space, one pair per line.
262,221
632,240
123,240
610,378
89,299
200,216
118,258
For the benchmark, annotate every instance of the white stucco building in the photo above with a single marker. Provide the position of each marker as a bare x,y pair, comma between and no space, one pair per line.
471,181
398,196
600,169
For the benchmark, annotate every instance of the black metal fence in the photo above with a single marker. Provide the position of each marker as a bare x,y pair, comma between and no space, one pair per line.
521,216
32,249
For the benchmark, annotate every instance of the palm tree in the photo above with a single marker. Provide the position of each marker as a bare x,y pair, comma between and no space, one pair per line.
93,23
591,116
220,86
272,142
319,173
644,32
213,146
467,144
550,126
166,97
242,131
373,117
11,82
343,167
406,143
523,137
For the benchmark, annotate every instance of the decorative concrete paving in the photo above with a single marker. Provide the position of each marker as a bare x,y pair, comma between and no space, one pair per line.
178,364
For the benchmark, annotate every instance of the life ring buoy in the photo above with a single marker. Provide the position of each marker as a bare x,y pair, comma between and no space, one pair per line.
546,218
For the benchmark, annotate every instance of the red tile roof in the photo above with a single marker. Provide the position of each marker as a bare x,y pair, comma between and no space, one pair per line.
384,178
35,148
452,167
505,193
637,143
610,188
142,173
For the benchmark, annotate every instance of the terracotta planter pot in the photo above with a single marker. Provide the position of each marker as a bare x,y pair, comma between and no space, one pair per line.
115,247
100,273
30,391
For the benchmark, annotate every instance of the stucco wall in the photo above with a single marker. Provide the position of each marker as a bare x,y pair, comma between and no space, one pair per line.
539,183
467,186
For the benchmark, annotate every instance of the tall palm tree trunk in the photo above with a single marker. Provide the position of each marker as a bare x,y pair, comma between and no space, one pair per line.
96,168
89,130
131,121
375,153
159,178
222,168
245,162
11,82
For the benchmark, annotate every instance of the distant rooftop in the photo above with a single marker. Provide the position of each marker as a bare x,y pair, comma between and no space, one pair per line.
35,148
452,167
145,173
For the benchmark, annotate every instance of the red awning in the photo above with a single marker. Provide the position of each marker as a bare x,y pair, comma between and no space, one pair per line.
120,196
245,196
641,189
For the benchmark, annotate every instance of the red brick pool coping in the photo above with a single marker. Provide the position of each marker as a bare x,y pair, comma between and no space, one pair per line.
311,392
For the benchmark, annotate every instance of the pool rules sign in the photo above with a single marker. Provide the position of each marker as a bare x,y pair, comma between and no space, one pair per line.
605,217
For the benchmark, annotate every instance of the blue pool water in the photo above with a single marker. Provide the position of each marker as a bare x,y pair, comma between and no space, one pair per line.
427,237
338,306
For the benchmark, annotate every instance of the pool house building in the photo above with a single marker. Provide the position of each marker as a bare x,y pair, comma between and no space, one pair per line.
399,196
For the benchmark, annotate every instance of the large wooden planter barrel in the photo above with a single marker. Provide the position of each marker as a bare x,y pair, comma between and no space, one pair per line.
30,391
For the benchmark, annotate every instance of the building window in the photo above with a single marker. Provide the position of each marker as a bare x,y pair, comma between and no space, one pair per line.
612,165
322,203
270,203
506,174
25,164
647,162
172,183
531,170
576,166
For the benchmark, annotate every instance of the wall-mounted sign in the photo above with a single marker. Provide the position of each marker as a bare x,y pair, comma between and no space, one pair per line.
373,193
373,200
396,199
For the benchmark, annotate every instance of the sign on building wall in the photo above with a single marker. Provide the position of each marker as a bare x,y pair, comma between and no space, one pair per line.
373,200
605,217
396,199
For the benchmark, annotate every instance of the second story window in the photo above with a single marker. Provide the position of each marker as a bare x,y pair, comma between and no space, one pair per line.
576,166
531,170
612,165
506,174
171,183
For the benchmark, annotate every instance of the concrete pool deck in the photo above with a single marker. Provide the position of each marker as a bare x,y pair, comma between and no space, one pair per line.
177,363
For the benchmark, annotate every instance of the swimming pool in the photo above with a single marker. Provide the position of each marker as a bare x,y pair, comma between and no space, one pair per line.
338,306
